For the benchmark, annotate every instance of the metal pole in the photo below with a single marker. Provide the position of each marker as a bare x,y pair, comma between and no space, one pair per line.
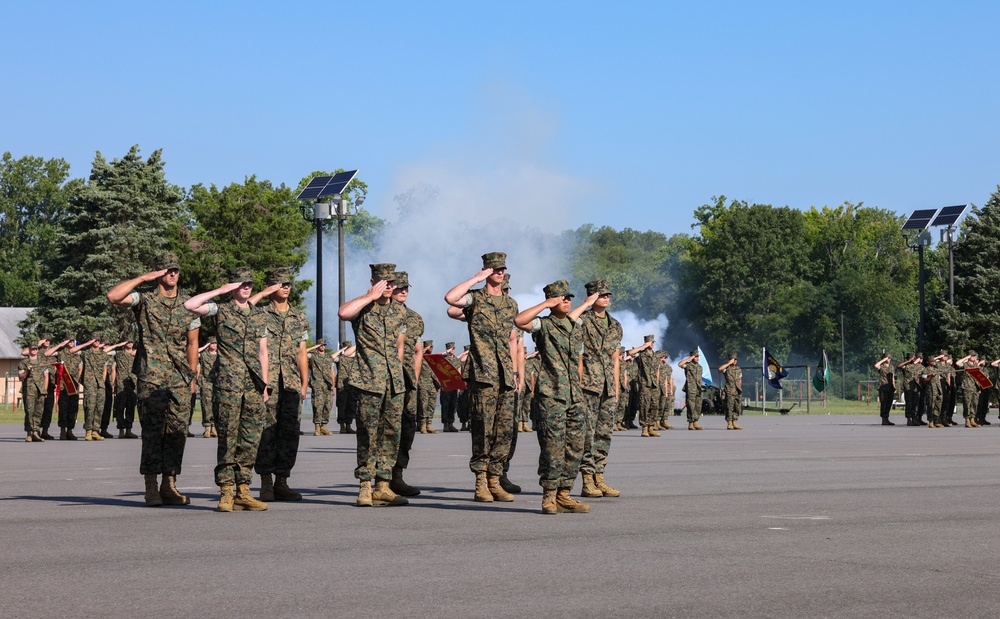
843,374
319,278
342,328
920,327
951,267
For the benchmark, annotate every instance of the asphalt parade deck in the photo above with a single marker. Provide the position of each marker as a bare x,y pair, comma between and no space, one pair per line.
795,516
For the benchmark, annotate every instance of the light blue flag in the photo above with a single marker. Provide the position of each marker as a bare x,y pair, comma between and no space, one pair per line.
706,374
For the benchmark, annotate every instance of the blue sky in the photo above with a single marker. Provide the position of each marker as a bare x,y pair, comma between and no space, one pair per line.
627,114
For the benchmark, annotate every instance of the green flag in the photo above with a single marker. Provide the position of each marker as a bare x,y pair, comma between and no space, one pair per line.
822,376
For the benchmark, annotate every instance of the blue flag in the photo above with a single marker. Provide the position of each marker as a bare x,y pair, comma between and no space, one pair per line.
706,374
773,371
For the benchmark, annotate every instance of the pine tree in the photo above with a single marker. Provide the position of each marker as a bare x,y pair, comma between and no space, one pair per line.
972,322
115,226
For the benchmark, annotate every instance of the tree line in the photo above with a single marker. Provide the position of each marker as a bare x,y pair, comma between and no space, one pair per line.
747,275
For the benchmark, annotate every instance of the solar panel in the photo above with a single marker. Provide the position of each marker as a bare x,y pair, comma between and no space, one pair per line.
326,185
919,219
949,215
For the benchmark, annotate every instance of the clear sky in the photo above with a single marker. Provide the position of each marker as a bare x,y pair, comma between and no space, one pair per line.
629,114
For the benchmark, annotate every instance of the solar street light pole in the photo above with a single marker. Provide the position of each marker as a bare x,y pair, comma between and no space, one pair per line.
342,215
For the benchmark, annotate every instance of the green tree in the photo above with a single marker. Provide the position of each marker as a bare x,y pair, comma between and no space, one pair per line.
115,225
972,322
860,267
34,196
251,224
748,275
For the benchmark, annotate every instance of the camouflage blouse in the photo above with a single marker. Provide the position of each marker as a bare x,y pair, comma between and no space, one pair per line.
601,338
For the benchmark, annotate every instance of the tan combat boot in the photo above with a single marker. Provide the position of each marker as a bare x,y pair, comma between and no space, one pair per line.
399,485
207,433
499,494
383,495
974,423
645,431
729,424
430,428
318,431
169,493
325,431
423,428
589,489
667,426
153,498
549,502
364,494
697,427
36,437
266,487
566,503
244,500
736,426
482,489
605,489
653,432
97,436
527,428
282,492
226,500
90,434
215,433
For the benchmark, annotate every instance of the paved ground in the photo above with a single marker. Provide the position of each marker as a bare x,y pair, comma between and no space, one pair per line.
799,516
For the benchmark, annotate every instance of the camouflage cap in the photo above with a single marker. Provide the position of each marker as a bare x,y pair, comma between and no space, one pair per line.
167,260
649,338
449,345
402,279
321,342
506,282
346,344
695,352
942,352
211,340
467,347
281,275
919,355
46,336
598,286
973,353
495,260
241,274
383,271
732,355
428,344
558,288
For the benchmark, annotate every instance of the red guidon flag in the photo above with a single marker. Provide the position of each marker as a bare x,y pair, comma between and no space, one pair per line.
445,372
64,381
980,377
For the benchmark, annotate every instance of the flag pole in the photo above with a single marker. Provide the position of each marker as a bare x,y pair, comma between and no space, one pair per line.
763,388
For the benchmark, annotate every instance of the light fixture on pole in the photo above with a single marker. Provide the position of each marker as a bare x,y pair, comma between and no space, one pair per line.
330,187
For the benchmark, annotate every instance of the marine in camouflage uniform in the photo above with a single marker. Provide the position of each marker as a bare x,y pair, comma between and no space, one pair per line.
449,399
490,374
125,387
288,374
207,356
34,377
531,365
413,351
379,327
165,362
95,368
647,371
321,381
69,405
464,407
562,408
602,334
665,383
427,391
346,400
970,389
625,366
692,388
241,390
931,377
732,391
912,367
886,388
